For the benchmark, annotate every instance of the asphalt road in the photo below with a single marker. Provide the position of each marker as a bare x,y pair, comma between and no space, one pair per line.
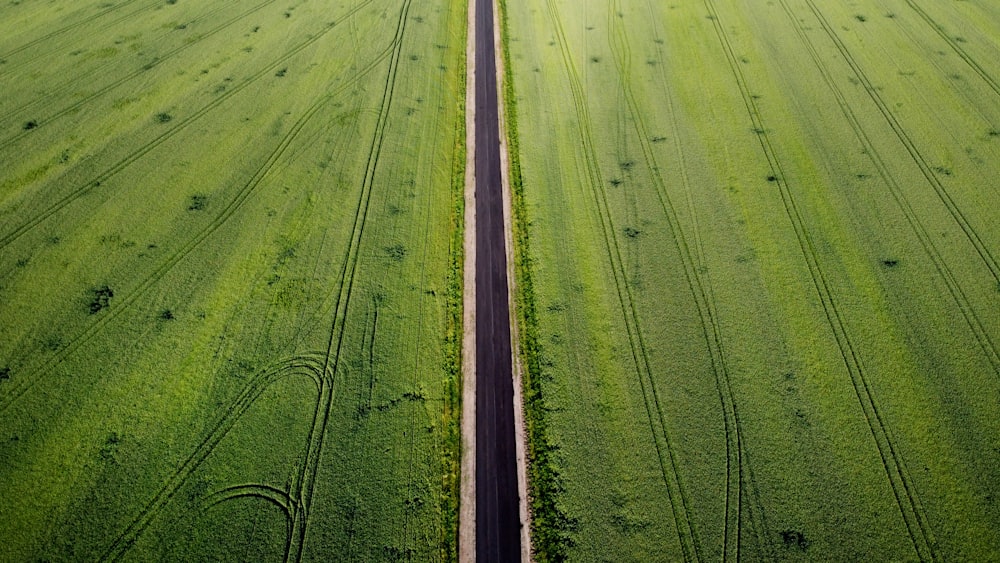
497,520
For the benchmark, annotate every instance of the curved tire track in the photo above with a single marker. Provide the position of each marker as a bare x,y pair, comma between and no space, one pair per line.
307,477
26,382
309,366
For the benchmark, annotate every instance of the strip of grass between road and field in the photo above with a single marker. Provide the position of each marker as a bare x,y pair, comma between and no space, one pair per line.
550,525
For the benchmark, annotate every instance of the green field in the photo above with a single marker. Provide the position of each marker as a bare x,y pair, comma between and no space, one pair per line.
760,289
230,279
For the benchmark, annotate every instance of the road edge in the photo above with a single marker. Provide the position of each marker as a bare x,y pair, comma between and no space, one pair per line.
467,486
520,431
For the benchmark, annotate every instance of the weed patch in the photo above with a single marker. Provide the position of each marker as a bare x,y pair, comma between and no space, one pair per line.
794,539
101,299
197,202
396,252
110,447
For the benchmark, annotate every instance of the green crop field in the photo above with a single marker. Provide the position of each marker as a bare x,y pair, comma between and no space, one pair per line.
759,278
230,279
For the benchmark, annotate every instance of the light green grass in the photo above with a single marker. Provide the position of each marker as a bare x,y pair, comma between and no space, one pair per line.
763,289
272,194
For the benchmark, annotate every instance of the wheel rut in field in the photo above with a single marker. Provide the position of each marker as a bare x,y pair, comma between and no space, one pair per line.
680,504
907,498
322,368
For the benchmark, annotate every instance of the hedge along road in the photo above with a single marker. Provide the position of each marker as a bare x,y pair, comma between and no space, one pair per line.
497,518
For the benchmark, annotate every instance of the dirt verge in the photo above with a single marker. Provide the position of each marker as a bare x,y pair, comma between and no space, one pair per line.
467,488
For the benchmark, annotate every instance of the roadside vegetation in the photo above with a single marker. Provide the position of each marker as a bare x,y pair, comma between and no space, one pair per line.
550,525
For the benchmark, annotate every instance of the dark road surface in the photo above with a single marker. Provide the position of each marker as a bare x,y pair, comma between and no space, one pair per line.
497,521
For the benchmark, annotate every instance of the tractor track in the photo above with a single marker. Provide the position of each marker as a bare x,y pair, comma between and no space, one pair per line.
167,56
416,357
307,480
76,24
26,381
955,46
740,476
925,168
182,124
971,103
77,79
704,301
101,32
666,456
899,196
910,508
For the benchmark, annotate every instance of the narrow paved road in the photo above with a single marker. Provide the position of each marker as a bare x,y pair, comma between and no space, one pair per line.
497,520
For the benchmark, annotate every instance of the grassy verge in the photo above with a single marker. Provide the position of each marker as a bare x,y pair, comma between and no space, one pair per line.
550,526
451,416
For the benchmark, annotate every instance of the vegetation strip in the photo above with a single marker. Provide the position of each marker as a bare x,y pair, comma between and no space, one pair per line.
549,524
